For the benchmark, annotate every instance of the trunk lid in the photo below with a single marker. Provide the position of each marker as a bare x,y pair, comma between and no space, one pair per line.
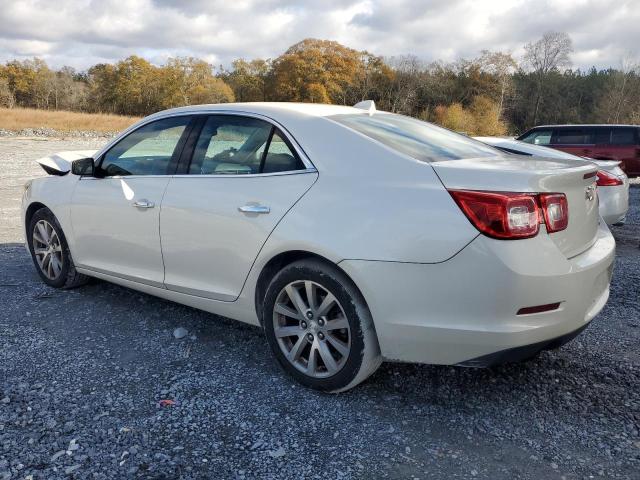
575,178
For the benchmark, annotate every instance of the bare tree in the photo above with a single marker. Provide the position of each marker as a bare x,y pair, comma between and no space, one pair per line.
544,56
403,91
502,65
629,67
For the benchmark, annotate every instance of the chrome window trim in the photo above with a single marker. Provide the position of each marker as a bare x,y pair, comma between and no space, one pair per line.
238,113
208,175
245,175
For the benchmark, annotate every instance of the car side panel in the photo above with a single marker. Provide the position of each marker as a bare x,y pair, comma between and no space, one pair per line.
55,193
208,245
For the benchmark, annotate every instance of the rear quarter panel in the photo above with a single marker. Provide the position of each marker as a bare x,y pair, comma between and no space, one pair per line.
370,203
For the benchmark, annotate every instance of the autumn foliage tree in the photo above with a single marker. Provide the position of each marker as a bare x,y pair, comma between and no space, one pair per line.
319,71
491,94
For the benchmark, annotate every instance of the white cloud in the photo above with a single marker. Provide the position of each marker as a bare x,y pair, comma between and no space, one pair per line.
84,32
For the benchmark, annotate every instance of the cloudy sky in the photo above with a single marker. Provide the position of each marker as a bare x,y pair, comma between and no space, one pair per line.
84,32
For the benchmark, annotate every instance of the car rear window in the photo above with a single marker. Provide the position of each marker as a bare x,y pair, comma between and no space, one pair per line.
420,140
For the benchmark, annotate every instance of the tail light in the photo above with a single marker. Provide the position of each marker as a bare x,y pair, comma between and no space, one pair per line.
500,215
511,216
555,210
606,179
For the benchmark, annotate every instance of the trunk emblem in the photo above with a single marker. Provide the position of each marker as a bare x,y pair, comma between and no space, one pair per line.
590,193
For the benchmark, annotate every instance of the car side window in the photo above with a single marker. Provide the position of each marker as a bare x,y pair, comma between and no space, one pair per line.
539,137
147,150
571,136
601,135
280,157
623,136
232,145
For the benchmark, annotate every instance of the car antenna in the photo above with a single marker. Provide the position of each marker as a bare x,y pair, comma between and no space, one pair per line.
368,105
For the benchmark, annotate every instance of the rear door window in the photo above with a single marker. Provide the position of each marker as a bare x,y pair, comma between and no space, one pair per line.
233,145
280,156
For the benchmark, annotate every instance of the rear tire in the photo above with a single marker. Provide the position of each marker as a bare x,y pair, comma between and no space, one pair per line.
319,327
50,251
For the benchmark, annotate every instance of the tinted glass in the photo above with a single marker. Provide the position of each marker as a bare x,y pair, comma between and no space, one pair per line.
279,156
573,136
146,151
231,145
601,136
623,136
538,137
420,140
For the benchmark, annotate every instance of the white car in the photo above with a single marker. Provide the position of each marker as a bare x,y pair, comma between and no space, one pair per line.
351,236
612,182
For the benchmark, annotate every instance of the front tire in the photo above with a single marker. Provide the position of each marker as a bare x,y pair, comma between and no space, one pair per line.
50,251
319,327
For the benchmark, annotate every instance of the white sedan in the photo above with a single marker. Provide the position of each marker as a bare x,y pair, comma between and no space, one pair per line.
351,236
612,182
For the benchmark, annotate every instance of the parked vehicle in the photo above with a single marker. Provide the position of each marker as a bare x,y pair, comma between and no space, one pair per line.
350,236
600,142
613,184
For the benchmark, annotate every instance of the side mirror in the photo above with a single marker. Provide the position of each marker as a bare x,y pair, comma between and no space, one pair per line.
83,167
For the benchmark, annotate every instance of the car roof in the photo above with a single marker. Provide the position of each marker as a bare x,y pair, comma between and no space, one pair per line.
269,109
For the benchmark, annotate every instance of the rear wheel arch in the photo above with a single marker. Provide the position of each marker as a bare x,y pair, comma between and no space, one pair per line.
280,261
362,355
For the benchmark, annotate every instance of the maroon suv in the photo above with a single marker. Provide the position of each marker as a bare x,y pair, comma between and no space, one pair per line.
601,142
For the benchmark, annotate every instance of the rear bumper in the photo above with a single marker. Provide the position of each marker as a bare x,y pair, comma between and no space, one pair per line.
466,308
614,202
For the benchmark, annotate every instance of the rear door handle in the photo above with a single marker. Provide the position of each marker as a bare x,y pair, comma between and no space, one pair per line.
254,209
143,204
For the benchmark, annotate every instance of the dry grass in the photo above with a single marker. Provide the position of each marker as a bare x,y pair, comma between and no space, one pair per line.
20,118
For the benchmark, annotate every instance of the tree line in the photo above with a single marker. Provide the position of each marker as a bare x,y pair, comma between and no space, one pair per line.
492,94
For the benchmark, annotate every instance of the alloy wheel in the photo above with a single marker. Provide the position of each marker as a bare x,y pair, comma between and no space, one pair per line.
47,249
311,328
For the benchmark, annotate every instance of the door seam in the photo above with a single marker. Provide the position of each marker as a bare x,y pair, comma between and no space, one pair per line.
164,268
269,236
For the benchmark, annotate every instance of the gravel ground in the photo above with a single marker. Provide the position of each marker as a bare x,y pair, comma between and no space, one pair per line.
83,373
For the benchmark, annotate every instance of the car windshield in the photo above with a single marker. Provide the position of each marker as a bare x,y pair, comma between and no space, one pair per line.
420,140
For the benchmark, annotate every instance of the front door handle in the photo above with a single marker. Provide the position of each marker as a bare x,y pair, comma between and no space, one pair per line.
254,209
143,204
